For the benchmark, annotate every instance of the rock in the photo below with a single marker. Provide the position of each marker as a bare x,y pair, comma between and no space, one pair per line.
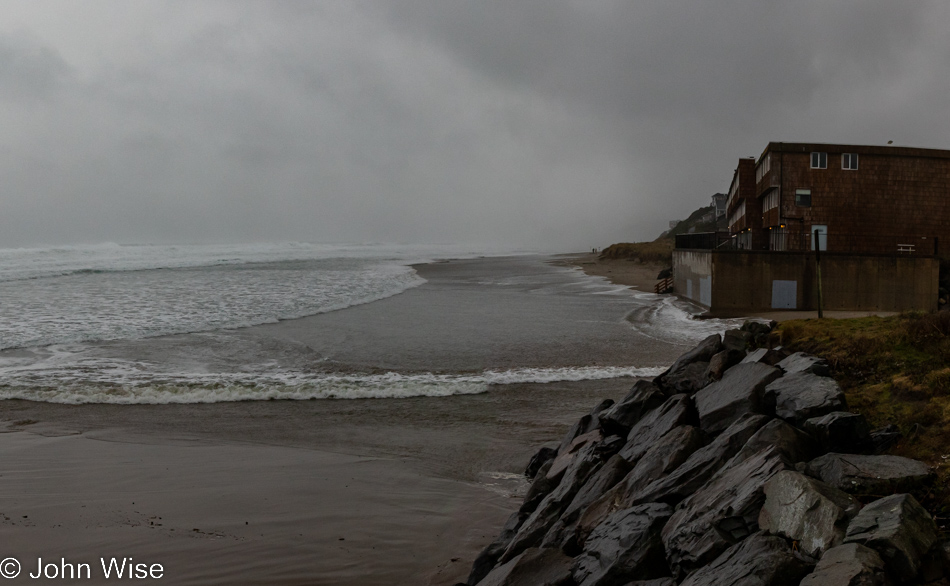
760,332
851,564
677,410
869,475
625,546
899,529
487,559
884,439
540,488
739,392
688,379
542,457
760,560
702,464
806,510
701,353
580,427
664,274
657,582
840,431
611,473
801,362
532,531
803,395
764,356
566,454
737,340
642,398
723,512
534,567
723,361
794,444
665,456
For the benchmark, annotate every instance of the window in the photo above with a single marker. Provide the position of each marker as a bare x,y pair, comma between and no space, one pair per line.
803,198
849,161
764,167
770,200
819,160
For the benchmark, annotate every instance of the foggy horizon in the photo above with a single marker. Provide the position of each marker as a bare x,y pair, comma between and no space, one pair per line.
554,125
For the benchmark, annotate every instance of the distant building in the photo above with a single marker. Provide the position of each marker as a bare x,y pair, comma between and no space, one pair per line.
719,205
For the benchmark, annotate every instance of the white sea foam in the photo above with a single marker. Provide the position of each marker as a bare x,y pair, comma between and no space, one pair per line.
123,382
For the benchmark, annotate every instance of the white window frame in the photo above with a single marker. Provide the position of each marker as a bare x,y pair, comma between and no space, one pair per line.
799,192
849,161
822,160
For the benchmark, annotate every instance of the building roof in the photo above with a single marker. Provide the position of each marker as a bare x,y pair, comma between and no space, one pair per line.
892,151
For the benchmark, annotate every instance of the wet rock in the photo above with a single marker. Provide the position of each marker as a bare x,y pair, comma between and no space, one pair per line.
489,556
722,362
701,464
760,560
667,455
566,455
701,353
737,340
642,398
677,410
803,395
723,512
793,443
764,356
611,473
532,531
899,529
689,379
540,488
656,582
580,427
851,564
884,439
801,362
840,431
534,567
806,510
869,475
625,546
542,457
739,392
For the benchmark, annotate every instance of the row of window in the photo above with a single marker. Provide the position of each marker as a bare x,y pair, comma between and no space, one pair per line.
849,161
771,199
764,166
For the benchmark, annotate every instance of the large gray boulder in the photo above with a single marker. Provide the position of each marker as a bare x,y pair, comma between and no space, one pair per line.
806,510
642,398
701,353
677,410
899,529
539,459
760,560
722,513
764,356
701,464
657,582
585,424
869,475
624,547
489,556
532,531
540,488
840,431
534,567
737,393
567,454
688,379
801,362
722,362
738,340
665,456
793,443
851,564
803,395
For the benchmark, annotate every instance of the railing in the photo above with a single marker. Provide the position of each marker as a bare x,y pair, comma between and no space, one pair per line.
701,240
664,286
794,240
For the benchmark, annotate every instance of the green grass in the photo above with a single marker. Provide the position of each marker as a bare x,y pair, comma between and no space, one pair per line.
658,251
892,370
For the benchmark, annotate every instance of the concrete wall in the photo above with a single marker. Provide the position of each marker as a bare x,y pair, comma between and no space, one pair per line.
749,280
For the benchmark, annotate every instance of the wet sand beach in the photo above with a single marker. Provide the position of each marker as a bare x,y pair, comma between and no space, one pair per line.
357,491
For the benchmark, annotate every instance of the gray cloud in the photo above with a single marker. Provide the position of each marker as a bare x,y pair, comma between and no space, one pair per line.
548,124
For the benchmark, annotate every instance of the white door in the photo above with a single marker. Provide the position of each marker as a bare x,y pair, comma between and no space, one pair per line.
822,236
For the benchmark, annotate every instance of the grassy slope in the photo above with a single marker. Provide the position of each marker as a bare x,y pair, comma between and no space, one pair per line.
893,370
661,249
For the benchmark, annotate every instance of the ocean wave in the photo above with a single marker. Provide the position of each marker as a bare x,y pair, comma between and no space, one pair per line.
126,383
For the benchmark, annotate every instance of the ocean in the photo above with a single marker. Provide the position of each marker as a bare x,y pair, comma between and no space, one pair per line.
76,323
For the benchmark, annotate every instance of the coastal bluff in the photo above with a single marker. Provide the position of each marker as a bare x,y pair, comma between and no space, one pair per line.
739,465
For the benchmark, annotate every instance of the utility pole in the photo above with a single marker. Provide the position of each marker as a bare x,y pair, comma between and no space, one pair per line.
818,269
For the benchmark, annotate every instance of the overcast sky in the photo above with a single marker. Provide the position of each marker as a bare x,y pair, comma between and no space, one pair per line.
545,124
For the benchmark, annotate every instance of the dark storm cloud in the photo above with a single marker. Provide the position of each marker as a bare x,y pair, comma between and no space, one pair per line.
548,124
